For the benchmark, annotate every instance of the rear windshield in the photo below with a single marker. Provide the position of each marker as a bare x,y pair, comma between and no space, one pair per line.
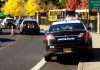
68,26
30,22
9,20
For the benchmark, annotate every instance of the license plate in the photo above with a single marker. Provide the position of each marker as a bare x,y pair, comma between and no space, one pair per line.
31,26
67,50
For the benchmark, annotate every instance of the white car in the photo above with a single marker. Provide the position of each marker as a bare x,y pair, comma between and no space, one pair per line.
8,22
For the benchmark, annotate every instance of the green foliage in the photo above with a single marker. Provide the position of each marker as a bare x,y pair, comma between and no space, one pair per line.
56,2
63,3
45,22
44,4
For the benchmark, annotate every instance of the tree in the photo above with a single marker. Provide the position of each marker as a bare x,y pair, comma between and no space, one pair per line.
72,4
31,7
77,4
13,7
83,4
63,3
46,5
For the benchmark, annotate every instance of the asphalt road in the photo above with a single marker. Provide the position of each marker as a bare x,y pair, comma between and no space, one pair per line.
23,52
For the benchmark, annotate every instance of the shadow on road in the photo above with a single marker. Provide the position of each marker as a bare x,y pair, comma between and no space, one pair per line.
75,59
9,33
2,40
68,60
95,57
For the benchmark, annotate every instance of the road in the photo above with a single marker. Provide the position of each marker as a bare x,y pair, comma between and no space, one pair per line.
23,52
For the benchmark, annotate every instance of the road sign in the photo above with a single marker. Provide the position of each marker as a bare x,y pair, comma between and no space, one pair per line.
94,4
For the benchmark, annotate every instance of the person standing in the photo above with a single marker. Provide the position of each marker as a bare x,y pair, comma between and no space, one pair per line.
91,26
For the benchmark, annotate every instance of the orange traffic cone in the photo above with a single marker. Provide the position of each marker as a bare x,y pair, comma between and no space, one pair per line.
12,31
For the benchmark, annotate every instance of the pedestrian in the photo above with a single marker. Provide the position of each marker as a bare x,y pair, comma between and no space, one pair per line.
90,26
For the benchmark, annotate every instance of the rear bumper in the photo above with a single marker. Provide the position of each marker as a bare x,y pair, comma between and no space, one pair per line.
31,30
73,50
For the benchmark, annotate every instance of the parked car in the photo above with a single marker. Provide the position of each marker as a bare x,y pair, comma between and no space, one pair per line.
8,22
67,37
30,26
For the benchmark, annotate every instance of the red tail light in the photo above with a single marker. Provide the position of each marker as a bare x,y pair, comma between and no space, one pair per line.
24,25
83,35
49,37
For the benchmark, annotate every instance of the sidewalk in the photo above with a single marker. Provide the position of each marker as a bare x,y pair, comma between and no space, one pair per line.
94,63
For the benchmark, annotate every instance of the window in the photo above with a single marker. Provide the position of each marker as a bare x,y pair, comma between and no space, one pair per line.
67,26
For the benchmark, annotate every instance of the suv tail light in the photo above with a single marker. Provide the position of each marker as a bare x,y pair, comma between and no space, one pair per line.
83,35
49,37
24,25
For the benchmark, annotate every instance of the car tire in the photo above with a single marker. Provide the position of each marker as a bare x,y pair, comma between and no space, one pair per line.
21,32
37,32
47,58
1,31
14,26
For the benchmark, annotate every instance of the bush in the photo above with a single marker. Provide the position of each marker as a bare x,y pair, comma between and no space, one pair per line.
45,22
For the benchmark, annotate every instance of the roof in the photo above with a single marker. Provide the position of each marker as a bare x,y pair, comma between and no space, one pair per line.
58,10
29,20
82,10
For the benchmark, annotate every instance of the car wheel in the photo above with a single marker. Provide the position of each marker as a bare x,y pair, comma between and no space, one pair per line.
60,58
14,26
21,32
47,58
1,31
37,32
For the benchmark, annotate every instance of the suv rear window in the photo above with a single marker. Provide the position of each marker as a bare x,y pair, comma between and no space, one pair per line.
67,26
30,22
9,20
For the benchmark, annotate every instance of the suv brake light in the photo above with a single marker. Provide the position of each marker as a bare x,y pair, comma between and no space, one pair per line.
82,35
49,37
24,25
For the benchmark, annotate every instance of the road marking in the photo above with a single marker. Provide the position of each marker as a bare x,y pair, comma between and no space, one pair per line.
39,65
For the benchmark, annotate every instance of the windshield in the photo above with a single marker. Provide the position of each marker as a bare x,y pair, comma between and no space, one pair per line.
68,26
9,20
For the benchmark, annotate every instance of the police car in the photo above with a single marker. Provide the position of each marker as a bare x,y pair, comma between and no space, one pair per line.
67,37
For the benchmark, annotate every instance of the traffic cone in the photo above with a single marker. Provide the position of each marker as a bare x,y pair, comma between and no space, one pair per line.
12,31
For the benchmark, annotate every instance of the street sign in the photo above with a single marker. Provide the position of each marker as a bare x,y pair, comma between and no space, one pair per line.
94,4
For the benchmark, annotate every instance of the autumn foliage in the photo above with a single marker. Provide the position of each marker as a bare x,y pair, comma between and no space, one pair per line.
20,7
83,4
31,7
77,4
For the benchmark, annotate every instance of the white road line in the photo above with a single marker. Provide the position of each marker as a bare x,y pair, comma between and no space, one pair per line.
39,65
